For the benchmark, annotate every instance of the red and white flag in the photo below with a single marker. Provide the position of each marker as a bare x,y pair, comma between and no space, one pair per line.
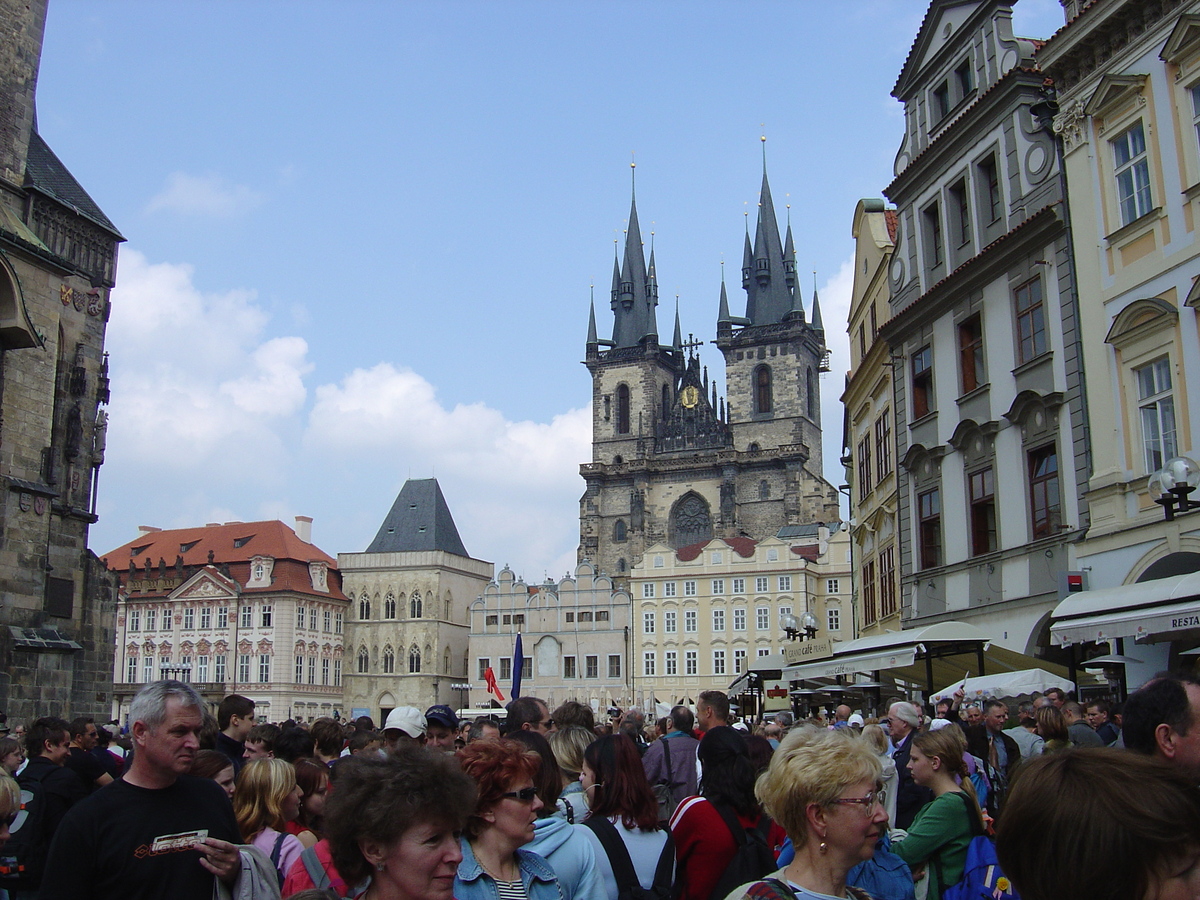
492,688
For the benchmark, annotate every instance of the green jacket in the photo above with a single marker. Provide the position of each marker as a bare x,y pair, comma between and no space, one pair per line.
939,837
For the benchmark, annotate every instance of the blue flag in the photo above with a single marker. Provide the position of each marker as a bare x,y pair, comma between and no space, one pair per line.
518,665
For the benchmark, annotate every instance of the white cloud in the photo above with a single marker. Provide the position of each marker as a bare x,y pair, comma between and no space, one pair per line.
276,387
203,195
836,295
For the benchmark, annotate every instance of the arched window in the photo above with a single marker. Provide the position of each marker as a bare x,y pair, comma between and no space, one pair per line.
690,521
620,532
362,659
446,661
414,660
389,606
666,400
414,606
389,661
764,490
364,606
812,395
623,409
621,564
762,389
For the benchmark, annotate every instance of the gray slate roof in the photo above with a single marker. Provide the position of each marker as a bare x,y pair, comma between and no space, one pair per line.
419,520
45,173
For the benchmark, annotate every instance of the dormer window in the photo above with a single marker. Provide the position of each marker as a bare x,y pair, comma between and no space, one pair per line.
941,101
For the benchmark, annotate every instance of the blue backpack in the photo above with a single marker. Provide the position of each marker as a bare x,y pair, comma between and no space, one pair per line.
982,878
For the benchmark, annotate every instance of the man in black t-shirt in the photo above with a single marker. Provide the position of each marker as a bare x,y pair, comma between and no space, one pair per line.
156,831
81,761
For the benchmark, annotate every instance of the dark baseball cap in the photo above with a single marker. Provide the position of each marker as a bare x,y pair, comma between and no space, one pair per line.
442,715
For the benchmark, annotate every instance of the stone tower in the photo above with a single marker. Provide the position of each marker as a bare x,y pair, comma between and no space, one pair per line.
671,461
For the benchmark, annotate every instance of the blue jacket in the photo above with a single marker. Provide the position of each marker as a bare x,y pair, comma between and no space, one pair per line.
570,855
472,883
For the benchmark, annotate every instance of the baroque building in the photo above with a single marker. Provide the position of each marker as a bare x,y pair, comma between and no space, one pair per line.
674,464
1127,76
575,636
868,443
704,614
58,255
251,608
984,333
409,593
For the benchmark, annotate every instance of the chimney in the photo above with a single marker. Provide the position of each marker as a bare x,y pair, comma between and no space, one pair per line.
304,528
147,529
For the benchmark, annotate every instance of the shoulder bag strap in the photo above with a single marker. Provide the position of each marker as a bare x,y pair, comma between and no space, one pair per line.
731,822
316,872
667,761
618,855
666,866
275,853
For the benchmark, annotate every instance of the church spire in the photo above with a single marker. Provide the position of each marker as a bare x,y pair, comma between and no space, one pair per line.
769,296
677,340
816,309
593,340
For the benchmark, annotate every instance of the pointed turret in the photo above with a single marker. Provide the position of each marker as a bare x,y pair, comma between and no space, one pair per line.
593,340
723,310
677,339
816,313
634,294
769,298
747,260
651,314
789,258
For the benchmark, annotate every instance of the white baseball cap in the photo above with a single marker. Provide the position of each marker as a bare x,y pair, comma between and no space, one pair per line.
408,719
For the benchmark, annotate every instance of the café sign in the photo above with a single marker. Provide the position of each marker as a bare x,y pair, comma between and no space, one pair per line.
807,651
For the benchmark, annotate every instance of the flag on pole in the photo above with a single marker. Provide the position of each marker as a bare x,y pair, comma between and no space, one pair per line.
518,665
489,678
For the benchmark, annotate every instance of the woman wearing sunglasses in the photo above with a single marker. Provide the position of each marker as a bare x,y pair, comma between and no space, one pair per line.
823,787
938,838
494,864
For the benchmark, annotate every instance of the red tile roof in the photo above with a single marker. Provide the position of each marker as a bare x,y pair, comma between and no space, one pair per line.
742,546
811,552
893,223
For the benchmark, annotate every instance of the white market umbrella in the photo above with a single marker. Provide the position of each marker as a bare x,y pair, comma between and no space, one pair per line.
1005,684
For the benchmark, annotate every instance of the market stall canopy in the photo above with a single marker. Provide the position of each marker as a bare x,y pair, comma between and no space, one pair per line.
768,669
936,654
1162,606
1006,685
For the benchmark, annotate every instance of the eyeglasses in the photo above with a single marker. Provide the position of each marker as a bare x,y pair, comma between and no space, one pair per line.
549,723
525,795
868,802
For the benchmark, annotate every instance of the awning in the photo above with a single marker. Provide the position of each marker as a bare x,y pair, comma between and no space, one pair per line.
1006,684
930,657
1157,608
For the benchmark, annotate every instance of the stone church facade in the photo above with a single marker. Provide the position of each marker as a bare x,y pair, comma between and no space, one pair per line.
672,462
58,255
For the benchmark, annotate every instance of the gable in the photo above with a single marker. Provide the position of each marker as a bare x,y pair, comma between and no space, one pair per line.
205,585
943,20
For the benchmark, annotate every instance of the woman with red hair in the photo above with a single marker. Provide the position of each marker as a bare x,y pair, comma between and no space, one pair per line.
494,864
623,818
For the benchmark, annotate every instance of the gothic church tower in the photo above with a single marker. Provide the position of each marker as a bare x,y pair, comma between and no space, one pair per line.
671,461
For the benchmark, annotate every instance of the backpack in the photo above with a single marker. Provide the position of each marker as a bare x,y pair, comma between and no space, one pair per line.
628,885
751,860
885,876
23,858
664,789
982,878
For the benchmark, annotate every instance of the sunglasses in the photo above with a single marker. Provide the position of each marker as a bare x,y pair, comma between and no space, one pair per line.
525,795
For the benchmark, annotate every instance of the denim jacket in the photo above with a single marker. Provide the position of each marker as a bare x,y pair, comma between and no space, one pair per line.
472,883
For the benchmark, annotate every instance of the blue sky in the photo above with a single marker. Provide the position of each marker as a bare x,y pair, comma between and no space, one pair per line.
362,235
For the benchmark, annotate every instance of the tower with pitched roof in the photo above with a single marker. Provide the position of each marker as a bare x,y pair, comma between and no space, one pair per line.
672,461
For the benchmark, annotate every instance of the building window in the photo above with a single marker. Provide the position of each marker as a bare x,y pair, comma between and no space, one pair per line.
189,618
691,662
264,668
648,661
739,661
718,585
247,616
883,445
312,619
416,608
762,389
363,660
152,620
484,663
166,620
989,189
689,620
389,606
299,670
833,617
389,661
338,621
326,622
689,589
623,409
569,670
202,668
494,619
970,354
299,616
647,623
131,670
982,490
669,588
785,583
414,661
739,619
1195,92
1131,167
929,517
244,667
715,557
267,612
785,611
1043,491
887,582
591,666
760,584
219,665
870,610
864,467
739,585
527,667
669,621
337,673
325,672
762,619
670,663
718,619
764,490
584,616
614,665
620,531
940,99
1031,321
960,210
833,586
135,620
648,590
935,253
206,617
312,670
718,662
148,669
1157,408
922,382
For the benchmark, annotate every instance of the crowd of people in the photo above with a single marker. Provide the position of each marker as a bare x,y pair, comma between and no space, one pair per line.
1091,801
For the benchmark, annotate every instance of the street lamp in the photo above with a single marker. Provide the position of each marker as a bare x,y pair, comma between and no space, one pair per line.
461,688
181,672
798,628
1170,486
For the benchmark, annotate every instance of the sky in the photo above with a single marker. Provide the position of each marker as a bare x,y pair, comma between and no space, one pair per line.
362,236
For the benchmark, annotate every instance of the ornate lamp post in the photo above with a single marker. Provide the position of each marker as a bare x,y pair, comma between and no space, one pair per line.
1171,485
